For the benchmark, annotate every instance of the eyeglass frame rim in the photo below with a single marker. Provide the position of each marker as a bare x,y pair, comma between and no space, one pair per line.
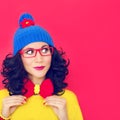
37,50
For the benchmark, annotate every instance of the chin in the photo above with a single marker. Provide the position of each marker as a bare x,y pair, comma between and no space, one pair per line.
39,76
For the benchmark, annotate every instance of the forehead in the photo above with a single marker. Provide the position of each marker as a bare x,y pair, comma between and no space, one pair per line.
35,45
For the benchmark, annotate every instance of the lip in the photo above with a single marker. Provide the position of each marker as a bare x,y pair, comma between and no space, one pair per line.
39,67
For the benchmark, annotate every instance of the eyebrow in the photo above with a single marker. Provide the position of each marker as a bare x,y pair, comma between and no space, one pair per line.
44,46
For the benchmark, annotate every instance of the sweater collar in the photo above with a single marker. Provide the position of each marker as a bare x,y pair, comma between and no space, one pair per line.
44,90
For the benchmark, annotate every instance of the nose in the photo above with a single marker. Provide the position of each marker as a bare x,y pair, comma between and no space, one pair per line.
38,57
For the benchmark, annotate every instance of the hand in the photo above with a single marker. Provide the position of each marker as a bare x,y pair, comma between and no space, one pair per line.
10,104
58,104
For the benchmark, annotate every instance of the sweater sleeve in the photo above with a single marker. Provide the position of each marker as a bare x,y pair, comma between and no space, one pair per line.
74,110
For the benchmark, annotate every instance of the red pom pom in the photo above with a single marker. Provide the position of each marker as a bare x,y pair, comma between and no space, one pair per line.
26,23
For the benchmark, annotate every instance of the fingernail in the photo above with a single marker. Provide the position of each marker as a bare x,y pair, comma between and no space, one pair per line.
23,102
44,100
25,97
45,103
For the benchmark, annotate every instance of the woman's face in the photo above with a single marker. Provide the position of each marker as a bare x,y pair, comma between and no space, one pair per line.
36,66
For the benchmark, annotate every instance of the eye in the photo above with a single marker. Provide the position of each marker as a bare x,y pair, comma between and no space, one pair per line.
29,51
45,50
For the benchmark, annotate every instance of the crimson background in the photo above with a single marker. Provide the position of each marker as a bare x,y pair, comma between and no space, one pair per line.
88,30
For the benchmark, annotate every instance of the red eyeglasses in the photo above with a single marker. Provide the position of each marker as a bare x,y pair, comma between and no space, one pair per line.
31,52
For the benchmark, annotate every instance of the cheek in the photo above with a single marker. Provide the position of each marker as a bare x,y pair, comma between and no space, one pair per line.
26,63
48,61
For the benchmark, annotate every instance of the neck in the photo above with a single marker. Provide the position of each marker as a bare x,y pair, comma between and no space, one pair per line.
36,80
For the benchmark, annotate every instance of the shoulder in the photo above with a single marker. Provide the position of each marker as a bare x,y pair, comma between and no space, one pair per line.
4,93
73,106
69,95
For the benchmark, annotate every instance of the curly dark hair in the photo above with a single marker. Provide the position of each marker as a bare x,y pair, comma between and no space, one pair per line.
14,73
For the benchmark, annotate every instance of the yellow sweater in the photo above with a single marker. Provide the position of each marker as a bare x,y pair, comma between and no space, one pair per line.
34,109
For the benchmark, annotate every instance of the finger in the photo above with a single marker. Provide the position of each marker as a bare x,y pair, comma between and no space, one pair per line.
16,97
57,104
52,104
15,100
12,102
55,99
12,98
53,96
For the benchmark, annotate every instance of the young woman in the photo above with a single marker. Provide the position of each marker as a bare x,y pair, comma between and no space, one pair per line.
34,78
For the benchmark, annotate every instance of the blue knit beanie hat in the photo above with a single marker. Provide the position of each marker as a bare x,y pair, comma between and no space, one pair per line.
28,33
